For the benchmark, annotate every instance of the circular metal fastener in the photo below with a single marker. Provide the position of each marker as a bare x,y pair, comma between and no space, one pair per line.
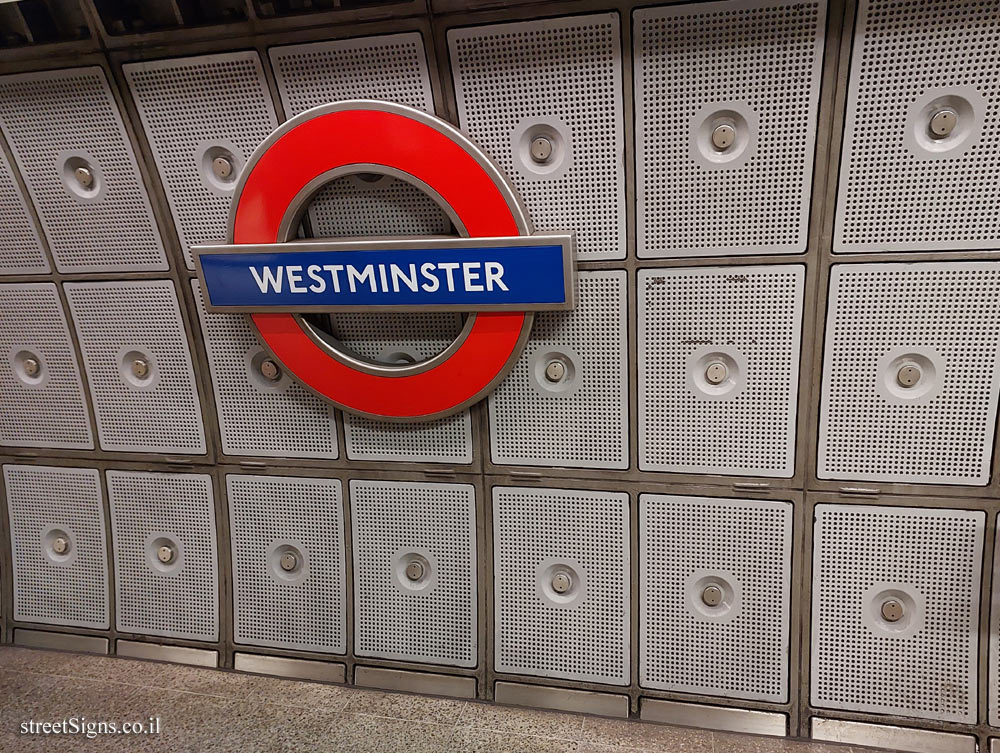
892,610
269,369
289,561
723,136
716,373
140,368
60,545
541,149
222,167
942,123
31,367
712,596
908,375
555,371
84,176
165,554
561,582
414,570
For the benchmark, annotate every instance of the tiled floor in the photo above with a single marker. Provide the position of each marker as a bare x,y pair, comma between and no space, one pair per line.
212,710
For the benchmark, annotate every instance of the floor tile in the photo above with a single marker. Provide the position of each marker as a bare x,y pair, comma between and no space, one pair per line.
643,736
407,706
475,740
300,694
522,721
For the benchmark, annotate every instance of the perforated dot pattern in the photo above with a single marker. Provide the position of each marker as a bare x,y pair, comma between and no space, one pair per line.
750,315
52,412
188,106
21,249
859,665
896,198
582,420
181,603
50,117
562,73
64,501
391,520
535,531
308,610
739,649
948,309
695,60
117,323
392,68
258,417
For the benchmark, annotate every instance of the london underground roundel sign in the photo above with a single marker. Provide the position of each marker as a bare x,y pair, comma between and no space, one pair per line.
497,271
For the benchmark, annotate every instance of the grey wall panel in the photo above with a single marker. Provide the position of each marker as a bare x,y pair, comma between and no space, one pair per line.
559,80
21,250
415,554
260,416
106,224
895,610
58,547
289,586
43,400
752,67
561,584
910,373
138,366
715,588
577,415
196,111
166,564
904,187
718,369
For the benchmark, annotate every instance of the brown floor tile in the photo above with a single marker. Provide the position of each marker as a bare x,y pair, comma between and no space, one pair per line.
417,708
300,694
520,721
645,736
489,741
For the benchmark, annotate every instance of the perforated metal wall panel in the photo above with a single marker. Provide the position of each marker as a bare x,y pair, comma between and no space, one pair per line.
561,583
753,67
43,400
197,110
154,515
715,578
395,337
910,373
414,551
121,325
719,369
58,549
289,587
392,68
21,249
559,80
904,187
895,610
577,416
102,225
259,416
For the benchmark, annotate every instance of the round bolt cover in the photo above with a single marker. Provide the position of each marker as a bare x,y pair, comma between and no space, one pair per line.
908,375
716,373
140,368
541,149
60,545
892,610
943,122
84,176
289,561
165,554
269,369
414,570
561,583
723,136
555,371
712,596
222,168
31,367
